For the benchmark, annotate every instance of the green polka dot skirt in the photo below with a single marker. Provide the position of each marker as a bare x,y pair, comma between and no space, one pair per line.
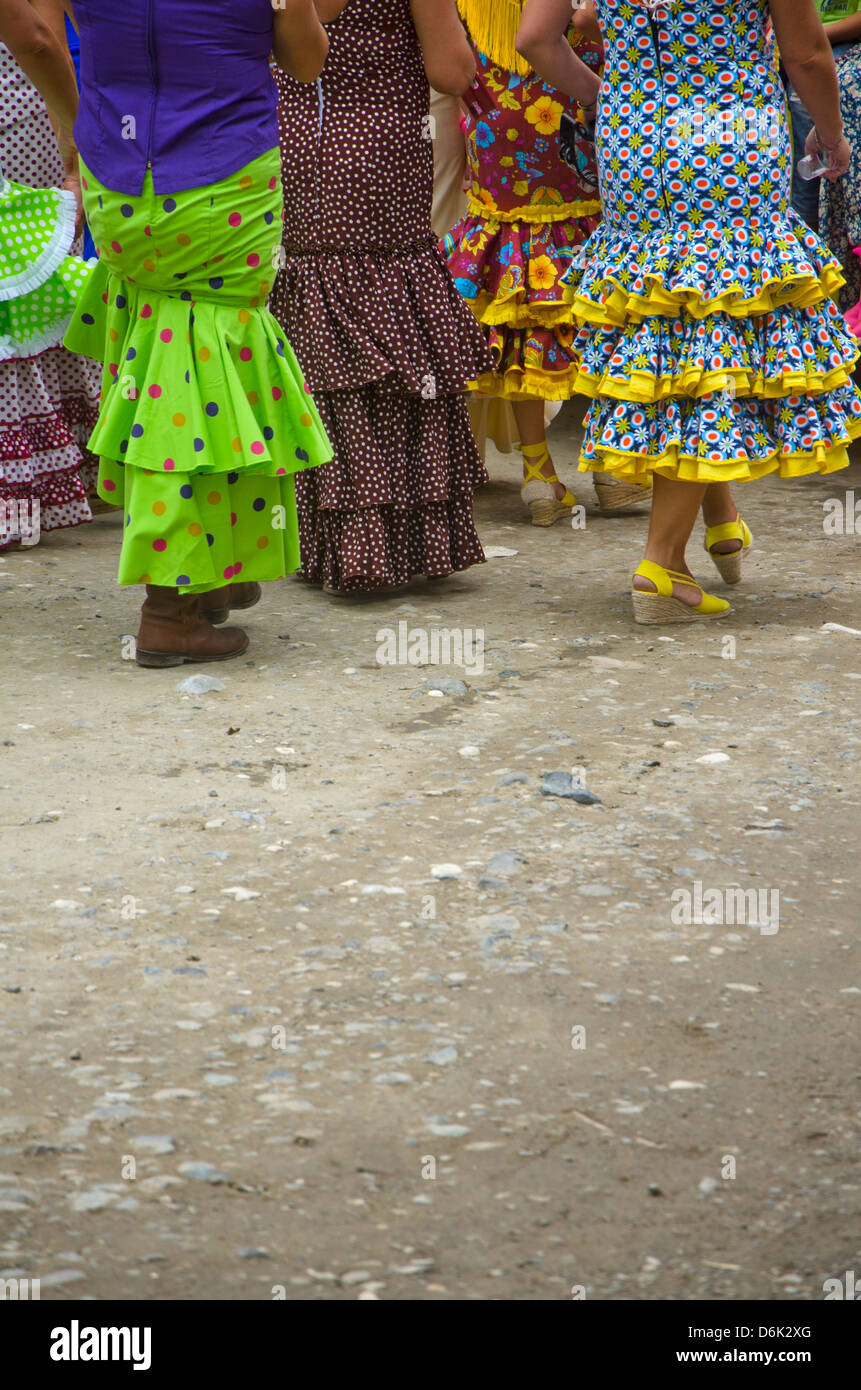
205,414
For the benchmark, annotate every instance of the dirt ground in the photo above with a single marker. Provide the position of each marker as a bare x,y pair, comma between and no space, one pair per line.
308,991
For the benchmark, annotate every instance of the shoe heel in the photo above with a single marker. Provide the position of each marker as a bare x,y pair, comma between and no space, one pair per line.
621,497
545,512
215,615
653,609
155,660
729,566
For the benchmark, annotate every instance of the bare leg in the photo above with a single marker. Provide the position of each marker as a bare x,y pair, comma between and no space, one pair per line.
530,426
718,508
674,511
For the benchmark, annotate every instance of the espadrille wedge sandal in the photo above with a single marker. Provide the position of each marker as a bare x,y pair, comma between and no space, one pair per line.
664,607
729,563
538,492
615,495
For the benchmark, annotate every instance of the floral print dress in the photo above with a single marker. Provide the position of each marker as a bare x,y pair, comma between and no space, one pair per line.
528,211
710,341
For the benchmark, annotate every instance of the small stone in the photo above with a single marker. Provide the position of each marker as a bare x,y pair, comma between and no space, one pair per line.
203,1172
445,685
446,871
448,1131
708,1186
356,1276
219,1078
155,1143
563,784
199,685
711,758
95,1200
240,894
443,1057
506,862
60,1276
250,1252
687,1086
394,1078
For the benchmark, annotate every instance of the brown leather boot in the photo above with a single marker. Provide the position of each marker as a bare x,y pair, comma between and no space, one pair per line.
173,631
216,605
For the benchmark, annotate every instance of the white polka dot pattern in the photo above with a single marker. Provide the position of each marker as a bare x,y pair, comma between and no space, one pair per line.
367,302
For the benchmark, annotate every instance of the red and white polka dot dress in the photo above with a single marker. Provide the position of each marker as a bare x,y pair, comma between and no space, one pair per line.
370,308
48,403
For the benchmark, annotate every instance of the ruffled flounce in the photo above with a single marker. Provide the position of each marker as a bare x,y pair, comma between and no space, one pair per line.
396,502
49,408
58,488
40,228
741,269
787,352
715,438
359,317
194,386
512,273
531,364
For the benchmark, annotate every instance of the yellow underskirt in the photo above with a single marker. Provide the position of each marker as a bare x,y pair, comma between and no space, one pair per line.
621,308
636,468
512,312
528,384
530,212
645,389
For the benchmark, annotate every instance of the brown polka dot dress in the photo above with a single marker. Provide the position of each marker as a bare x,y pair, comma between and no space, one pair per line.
49,402
370,308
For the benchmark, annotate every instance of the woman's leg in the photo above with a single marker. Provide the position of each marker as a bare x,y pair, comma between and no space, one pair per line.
530,426
719,508
674,512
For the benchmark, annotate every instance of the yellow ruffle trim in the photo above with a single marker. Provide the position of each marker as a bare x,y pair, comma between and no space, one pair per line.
528,384
646,389
638,468
512,311
620,308
531,212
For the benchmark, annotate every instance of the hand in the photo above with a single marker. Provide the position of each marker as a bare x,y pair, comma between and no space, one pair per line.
839,158
72,184
72,181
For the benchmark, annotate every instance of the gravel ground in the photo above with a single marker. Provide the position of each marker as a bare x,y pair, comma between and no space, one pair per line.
308,990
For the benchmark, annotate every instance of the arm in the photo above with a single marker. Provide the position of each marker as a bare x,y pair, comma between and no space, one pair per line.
36,48
809,63
844,30
449,59
330,9
586,20
300,44
543,42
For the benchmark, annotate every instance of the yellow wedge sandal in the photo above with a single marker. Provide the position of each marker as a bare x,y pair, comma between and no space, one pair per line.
664,607
730,563
615,495
538,492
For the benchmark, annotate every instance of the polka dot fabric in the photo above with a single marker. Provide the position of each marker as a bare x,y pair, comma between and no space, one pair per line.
48,402
367,301
38,278
205,414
